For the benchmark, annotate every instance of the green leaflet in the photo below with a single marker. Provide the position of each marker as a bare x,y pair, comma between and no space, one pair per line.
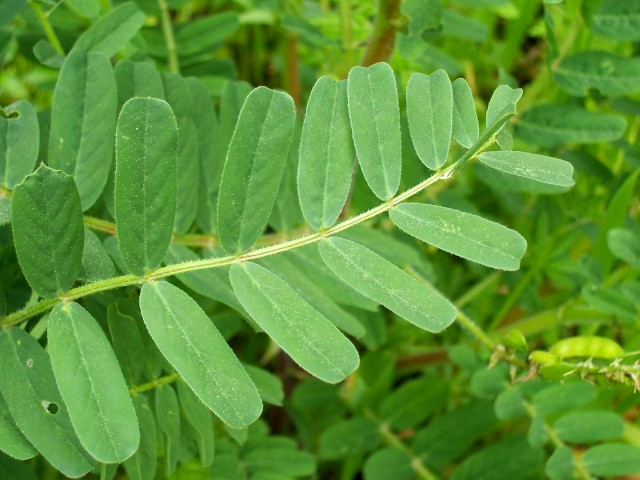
430,115
47,55
112,32
178,96
84,8
199,417
354,436
511,458
48,230
145,190
127,342
269,386
530,166
91,384
12,440
612,459
375,123
327,154
466,129
300,330
96,263
136,79
625,245
286,213
316,297
133,79
83,120
212,283
142,464
28,386
503,101
205,121
389,464
560,466
551,125
412,402
19,136
253,168
279,463
190,342
205,34
610,74
619,20
382,281
168,419
589,427
462,234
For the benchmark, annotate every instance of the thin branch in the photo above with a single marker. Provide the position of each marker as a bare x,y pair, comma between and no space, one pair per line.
167,31
46,26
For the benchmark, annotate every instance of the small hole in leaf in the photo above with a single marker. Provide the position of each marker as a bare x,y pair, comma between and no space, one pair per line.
30,363
50,407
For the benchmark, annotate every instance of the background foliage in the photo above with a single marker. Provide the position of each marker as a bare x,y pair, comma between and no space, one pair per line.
537,376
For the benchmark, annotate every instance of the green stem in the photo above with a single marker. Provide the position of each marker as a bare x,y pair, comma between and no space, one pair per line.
46,26
524,282
167,31
487,282
416,463
475,330
203,264
154,384
347,35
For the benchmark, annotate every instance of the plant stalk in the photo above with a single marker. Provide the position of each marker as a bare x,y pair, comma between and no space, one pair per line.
46,26
167,31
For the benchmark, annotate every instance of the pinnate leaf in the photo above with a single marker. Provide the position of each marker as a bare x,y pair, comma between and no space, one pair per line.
145,191
253,168
48,231
375,123
326,154
430,115
300,330
91,384
191,343
28,386
387,284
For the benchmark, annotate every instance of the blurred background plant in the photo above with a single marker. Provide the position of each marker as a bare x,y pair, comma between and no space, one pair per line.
541,382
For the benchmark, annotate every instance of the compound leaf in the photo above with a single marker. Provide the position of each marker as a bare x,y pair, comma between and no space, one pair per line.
375,123
28,386
430,115
19,142
466,129
382,281
112,32
462,234
145,191
300,330
91,384
326,154
191,343
48,231
253,168
83,120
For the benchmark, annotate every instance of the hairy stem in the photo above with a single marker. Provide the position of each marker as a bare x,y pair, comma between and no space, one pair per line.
167,31
487,138
46,26
154,384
